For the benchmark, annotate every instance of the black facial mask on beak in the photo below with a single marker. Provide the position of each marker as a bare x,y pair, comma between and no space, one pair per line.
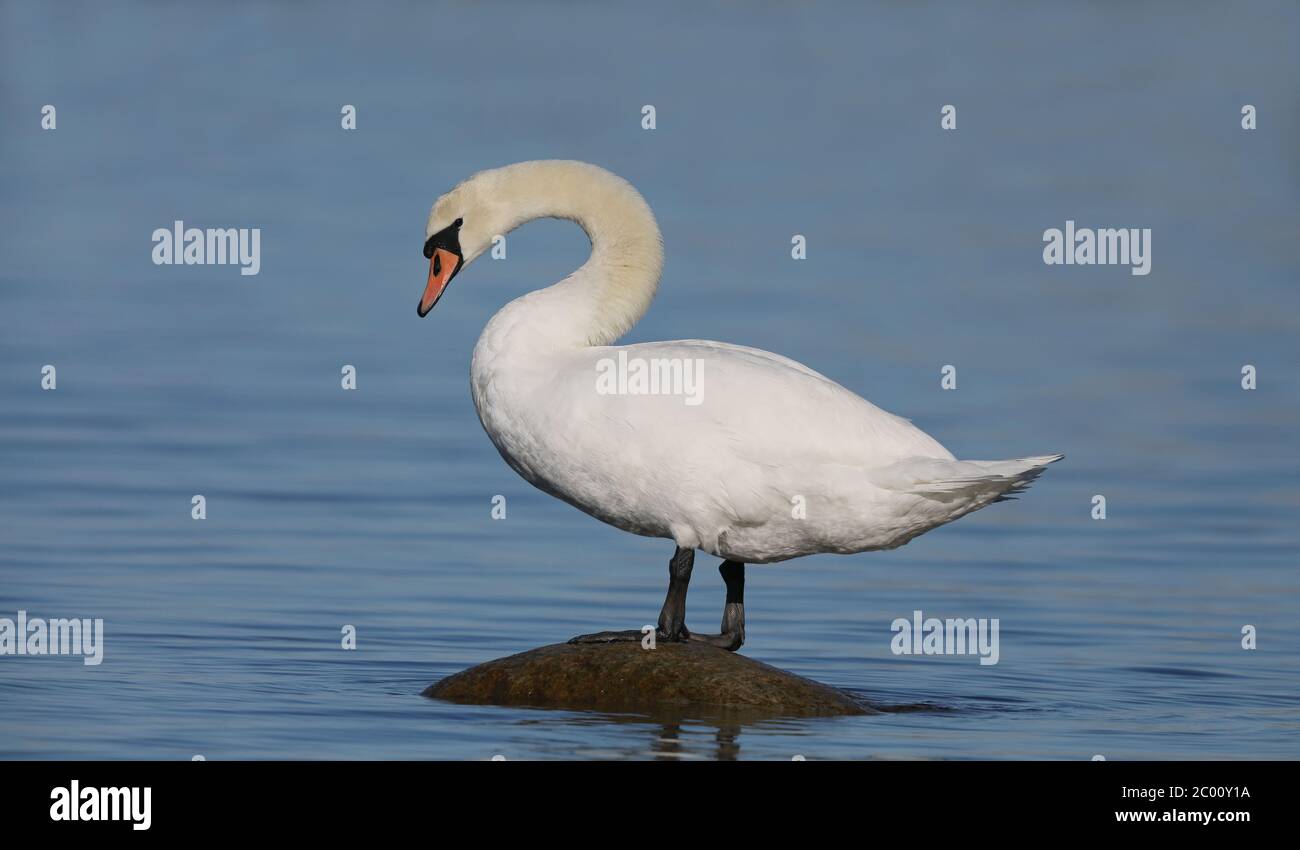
448,239
445,260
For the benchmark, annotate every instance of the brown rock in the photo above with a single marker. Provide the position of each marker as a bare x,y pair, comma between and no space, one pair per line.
624,677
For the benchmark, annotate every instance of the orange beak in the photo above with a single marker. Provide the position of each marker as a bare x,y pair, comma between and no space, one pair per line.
443,266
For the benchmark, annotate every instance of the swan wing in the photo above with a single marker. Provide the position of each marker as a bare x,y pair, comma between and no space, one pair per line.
774,410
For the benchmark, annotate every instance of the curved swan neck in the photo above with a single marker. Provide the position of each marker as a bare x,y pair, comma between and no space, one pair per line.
609,293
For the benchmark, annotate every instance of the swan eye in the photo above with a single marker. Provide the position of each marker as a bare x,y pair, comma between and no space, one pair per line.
448,238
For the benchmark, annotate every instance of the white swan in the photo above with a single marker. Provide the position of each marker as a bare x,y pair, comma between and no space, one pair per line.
773,462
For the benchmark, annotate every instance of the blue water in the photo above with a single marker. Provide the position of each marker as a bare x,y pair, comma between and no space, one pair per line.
1119,637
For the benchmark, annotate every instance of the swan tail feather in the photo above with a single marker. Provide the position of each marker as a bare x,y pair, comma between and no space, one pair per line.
981,481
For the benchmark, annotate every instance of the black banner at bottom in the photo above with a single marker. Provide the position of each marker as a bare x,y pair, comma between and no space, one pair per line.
329,799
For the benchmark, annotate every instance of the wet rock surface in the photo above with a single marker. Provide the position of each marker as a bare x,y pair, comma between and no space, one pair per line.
625,677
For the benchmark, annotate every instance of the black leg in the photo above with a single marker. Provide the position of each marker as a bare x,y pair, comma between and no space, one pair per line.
733,613
672,618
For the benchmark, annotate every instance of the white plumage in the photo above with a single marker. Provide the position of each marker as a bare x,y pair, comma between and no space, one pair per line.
727,475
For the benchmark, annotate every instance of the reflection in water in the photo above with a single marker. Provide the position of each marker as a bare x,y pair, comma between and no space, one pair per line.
666,746
675,733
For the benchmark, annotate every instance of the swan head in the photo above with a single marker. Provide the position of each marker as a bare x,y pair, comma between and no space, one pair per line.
461,226
465,222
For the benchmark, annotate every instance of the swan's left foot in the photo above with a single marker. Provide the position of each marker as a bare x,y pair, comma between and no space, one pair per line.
626,636
672,618
631,635
732,636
